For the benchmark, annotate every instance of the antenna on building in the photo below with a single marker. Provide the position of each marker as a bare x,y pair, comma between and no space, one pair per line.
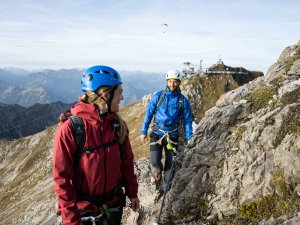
200,66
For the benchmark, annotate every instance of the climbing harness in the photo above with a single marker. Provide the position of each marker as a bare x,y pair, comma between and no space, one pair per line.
98,200
170,142
105,214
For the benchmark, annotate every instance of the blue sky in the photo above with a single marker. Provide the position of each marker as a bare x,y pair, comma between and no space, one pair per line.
128,35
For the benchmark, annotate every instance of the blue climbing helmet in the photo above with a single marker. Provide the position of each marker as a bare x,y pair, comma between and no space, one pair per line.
97,76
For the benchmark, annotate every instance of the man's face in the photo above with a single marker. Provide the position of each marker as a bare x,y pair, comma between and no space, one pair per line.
173,84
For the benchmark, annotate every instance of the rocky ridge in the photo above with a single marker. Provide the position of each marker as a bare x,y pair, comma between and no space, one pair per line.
243,164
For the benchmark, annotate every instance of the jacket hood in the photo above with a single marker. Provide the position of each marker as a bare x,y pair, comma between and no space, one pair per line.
88,111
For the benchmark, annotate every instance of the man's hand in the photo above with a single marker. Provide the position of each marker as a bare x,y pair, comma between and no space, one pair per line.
144,138
134,204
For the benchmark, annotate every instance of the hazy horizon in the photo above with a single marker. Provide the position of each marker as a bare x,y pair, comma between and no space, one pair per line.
131,36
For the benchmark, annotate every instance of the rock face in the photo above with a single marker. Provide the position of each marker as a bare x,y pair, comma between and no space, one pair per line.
203,92
245,151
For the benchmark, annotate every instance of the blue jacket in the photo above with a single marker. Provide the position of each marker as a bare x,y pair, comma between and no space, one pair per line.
167,116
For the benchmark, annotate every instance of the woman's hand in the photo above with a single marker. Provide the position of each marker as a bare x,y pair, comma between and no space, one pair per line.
134,204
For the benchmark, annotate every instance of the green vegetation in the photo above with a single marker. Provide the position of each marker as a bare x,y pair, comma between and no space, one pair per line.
282,188
202,206
227,220
290,61
240,131
281,203
133,115
278,81
255,74
210,89
261,96
290,124
198,208
273,104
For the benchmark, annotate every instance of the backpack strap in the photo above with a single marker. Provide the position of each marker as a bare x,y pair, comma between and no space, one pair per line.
90,150
79,136
160,101
181,104
115,125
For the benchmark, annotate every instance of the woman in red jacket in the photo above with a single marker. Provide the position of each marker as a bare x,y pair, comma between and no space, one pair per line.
88,184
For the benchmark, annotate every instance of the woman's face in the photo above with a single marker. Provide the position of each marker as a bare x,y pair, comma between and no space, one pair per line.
118,97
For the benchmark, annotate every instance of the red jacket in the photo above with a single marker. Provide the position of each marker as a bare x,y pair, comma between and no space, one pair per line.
95,169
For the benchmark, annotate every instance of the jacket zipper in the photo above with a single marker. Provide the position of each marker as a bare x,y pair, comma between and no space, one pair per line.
104,159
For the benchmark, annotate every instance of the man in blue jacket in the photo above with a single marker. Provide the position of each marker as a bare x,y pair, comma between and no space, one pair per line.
170,109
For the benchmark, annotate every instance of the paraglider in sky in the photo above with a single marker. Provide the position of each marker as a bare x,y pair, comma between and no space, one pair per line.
164,26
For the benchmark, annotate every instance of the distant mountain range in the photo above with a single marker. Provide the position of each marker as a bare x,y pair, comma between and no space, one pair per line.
17,121
26,88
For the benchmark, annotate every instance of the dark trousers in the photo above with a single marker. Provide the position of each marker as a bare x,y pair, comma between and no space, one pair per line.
156,152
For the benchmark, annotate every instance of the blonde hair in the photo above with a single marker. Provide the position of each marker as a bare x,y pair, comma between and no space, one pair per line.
95,98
